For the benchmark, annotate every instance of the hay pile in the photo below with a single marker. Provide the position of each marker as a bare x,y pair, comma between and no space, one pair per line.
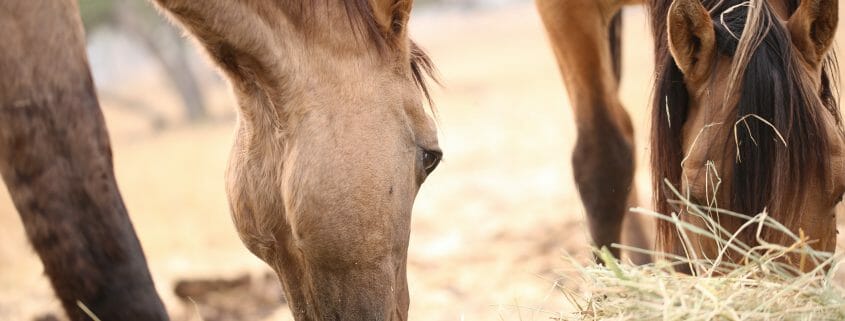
763,287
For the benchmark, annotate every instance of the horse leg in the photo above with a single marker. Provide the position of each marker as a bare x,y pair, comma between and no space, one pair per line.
56,161
585,37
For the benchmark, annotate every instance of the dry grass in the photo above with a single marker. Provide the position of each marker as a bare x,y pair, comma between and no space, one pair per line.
766,285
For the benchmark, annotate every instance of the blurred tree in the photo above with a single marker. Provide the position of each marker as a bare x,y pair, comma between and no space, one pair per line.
138,20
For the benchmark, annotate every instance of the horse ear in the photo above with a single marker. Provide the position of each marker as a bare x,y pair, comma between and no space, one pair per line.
231,32
813,26
692,40
392,15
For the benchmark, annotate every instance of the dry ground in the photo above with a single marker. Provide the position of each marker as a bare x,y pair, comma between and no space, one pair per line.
489,226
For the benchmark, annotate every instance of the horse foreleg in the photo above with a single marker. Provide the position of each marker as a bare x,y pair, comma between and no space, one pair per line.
56,161
584,36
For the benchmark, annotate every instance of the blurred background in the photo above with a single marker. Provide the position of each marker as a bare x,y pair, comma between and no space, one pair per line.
490,227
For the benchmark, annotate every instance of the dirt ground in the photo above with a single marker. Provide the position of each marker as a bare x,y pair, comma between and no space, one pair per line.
489,226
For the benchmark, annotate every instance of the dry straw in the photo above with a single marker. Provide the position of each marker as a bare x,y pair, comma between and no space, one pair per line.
767,284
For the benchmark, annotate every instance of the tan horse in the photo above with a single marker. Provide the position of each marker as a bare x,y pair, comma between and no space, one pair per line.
333,143
744,115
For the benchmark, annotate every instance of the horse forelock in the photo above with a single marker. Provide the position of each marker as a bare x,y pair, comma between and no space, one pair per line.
362,20
778,134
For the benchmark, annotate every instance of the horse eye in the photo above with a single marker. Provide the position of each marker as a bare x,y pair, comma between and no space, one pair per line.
430,160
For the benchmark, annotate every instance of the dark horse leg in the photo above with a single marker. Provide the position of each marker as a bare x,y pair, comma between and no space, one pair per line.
585,37
56,161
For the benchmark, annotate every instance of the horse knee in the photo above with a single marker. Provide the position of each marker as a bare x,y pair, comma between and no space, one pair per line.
604,171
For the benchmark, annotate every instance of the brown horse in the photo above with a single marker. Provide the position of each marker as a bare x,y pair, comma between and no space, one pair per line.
56,161
745,115
333,143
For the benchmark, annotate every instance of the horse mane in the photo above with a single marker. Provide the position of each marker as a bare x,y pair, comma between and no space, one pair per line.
361,19
766,81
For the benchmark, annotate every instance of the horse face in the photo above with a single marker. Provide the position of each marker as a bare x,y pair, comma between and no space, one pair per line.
349,172
758,133
333,143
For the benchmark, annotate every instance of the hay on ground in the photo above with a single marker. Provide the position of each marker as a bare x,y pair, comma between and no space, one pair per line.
764,286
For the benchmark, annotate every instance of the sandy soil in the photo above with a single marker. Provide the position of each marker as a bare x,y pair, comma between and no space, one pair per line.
489,227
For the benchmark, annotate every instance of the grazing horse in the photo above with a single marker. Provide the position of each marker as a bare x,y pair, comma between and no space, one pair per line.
333,143
744,115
